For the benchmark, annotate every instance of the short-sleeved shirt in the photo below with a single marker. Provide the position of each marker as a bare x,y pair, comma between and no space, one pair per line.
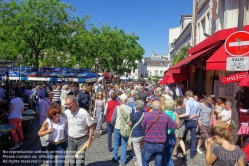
138,131
77,122
59,129
17,110
181,111
225,157
172,116
143,96
205,114
157,132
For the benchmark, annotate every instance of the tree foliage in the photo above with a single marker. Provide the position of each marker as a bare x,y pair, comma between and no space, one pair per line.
180,55
43,34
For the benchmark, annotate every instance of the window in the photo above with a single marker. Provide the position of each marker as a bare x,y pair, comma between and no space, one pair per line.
161,72
156,72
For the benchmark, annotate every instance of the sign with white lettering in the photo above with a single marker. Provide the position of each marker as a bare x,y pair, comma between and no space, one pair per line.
237,64
234,77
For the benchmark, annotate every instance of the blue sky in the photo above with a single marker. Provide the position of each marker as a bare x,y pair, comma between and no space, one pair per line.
149,19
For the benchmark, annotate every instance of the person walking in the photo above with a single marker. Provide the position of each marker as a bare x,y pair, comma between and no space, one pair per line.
99,112
167,107
204,121
180,109
138,132
44,106
192,114
57,126
108,112
123,111
14,115
155,124
79,122
84,98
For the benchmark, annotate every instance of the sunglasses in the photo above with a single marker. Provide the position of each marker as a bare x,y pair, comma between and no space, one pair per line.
55,113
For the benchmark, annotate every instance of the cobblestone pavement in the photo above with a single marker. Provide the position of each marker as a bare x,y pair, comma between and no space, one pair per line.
98,155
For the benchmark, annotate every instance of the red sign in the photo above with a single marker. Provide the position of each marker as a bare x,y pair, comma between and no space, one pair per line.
237,44
234,78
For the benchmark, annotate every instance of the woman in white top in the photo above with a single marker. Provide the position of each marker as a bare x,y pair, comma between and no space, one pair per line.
15,118
57,126
224,118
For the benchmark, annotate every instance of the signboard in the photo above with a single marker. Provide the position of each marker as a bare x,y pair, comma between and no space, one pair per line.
3,69
237,44
237,64
234,77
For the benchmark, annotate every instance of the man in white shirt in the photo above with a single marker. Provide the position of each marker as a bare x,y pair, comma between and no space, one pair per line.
79,122
178,90
224,118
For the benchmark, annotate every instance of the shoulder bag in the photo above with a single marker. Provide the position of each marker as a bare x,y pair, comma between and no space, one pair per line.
130,140
155,120
46,138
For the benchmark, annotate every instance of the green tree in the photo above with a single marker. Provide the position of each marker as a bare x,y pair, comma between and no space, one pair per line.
36,28
180,55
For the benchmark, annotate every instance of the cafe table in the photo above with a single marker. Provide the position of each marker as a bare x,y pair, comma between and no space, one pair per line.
29,112
5,128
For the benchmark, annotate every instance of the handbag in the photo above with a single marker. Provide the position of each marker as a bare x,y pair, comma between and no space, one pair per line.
130,139
45,140
155,120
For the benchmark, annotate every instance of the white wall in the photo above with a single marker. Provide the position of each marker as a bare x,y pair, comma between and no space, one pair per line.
227,14
203,22
153,69
226,17
141,69
173,34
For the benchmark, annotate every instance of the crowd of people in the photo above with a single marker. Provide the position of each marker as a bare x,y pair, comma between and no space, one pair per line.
153,120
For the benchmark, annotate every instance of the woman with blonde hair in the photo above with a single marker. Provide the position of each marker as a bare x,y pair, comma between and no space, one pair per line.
225,154
167,106
99,112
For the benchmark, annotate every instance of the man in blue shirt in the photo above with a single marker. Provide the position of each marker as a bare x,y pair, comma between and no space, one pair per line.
84,98
192,114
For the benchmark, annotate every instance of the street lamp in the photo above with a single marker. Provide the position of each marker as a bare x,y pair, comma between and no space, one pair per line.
96,64
19,61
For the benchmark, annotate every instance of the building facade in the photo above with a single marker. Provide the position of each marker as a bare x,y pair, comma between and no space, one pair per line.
184,37
209,18
140,72
157,64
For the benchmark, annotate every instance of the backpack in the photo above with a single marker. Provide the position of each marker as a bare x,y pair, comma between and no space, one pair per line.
125,129
99,89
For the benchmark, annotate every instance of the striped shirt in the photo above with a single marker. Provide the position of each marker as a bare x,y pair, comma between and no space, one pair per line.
157,132
57,95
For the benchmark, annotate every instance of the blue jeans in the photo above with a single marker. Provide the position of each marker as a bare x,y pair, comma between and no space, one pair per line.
168,150
109,129
59,150
191,125
124,141
150,150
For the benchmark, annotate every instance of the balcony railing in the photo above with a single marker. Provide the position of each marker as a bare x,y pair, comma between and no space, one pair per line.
200,4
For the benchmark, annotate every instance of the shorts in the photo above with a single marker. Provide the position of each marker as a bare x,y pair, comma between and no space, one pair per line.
205,132
180,132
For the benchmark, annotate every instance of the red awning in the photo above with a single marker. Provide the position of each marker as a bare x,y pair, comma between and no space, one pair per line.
176,78
218,60
216,38
173,79
177,67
